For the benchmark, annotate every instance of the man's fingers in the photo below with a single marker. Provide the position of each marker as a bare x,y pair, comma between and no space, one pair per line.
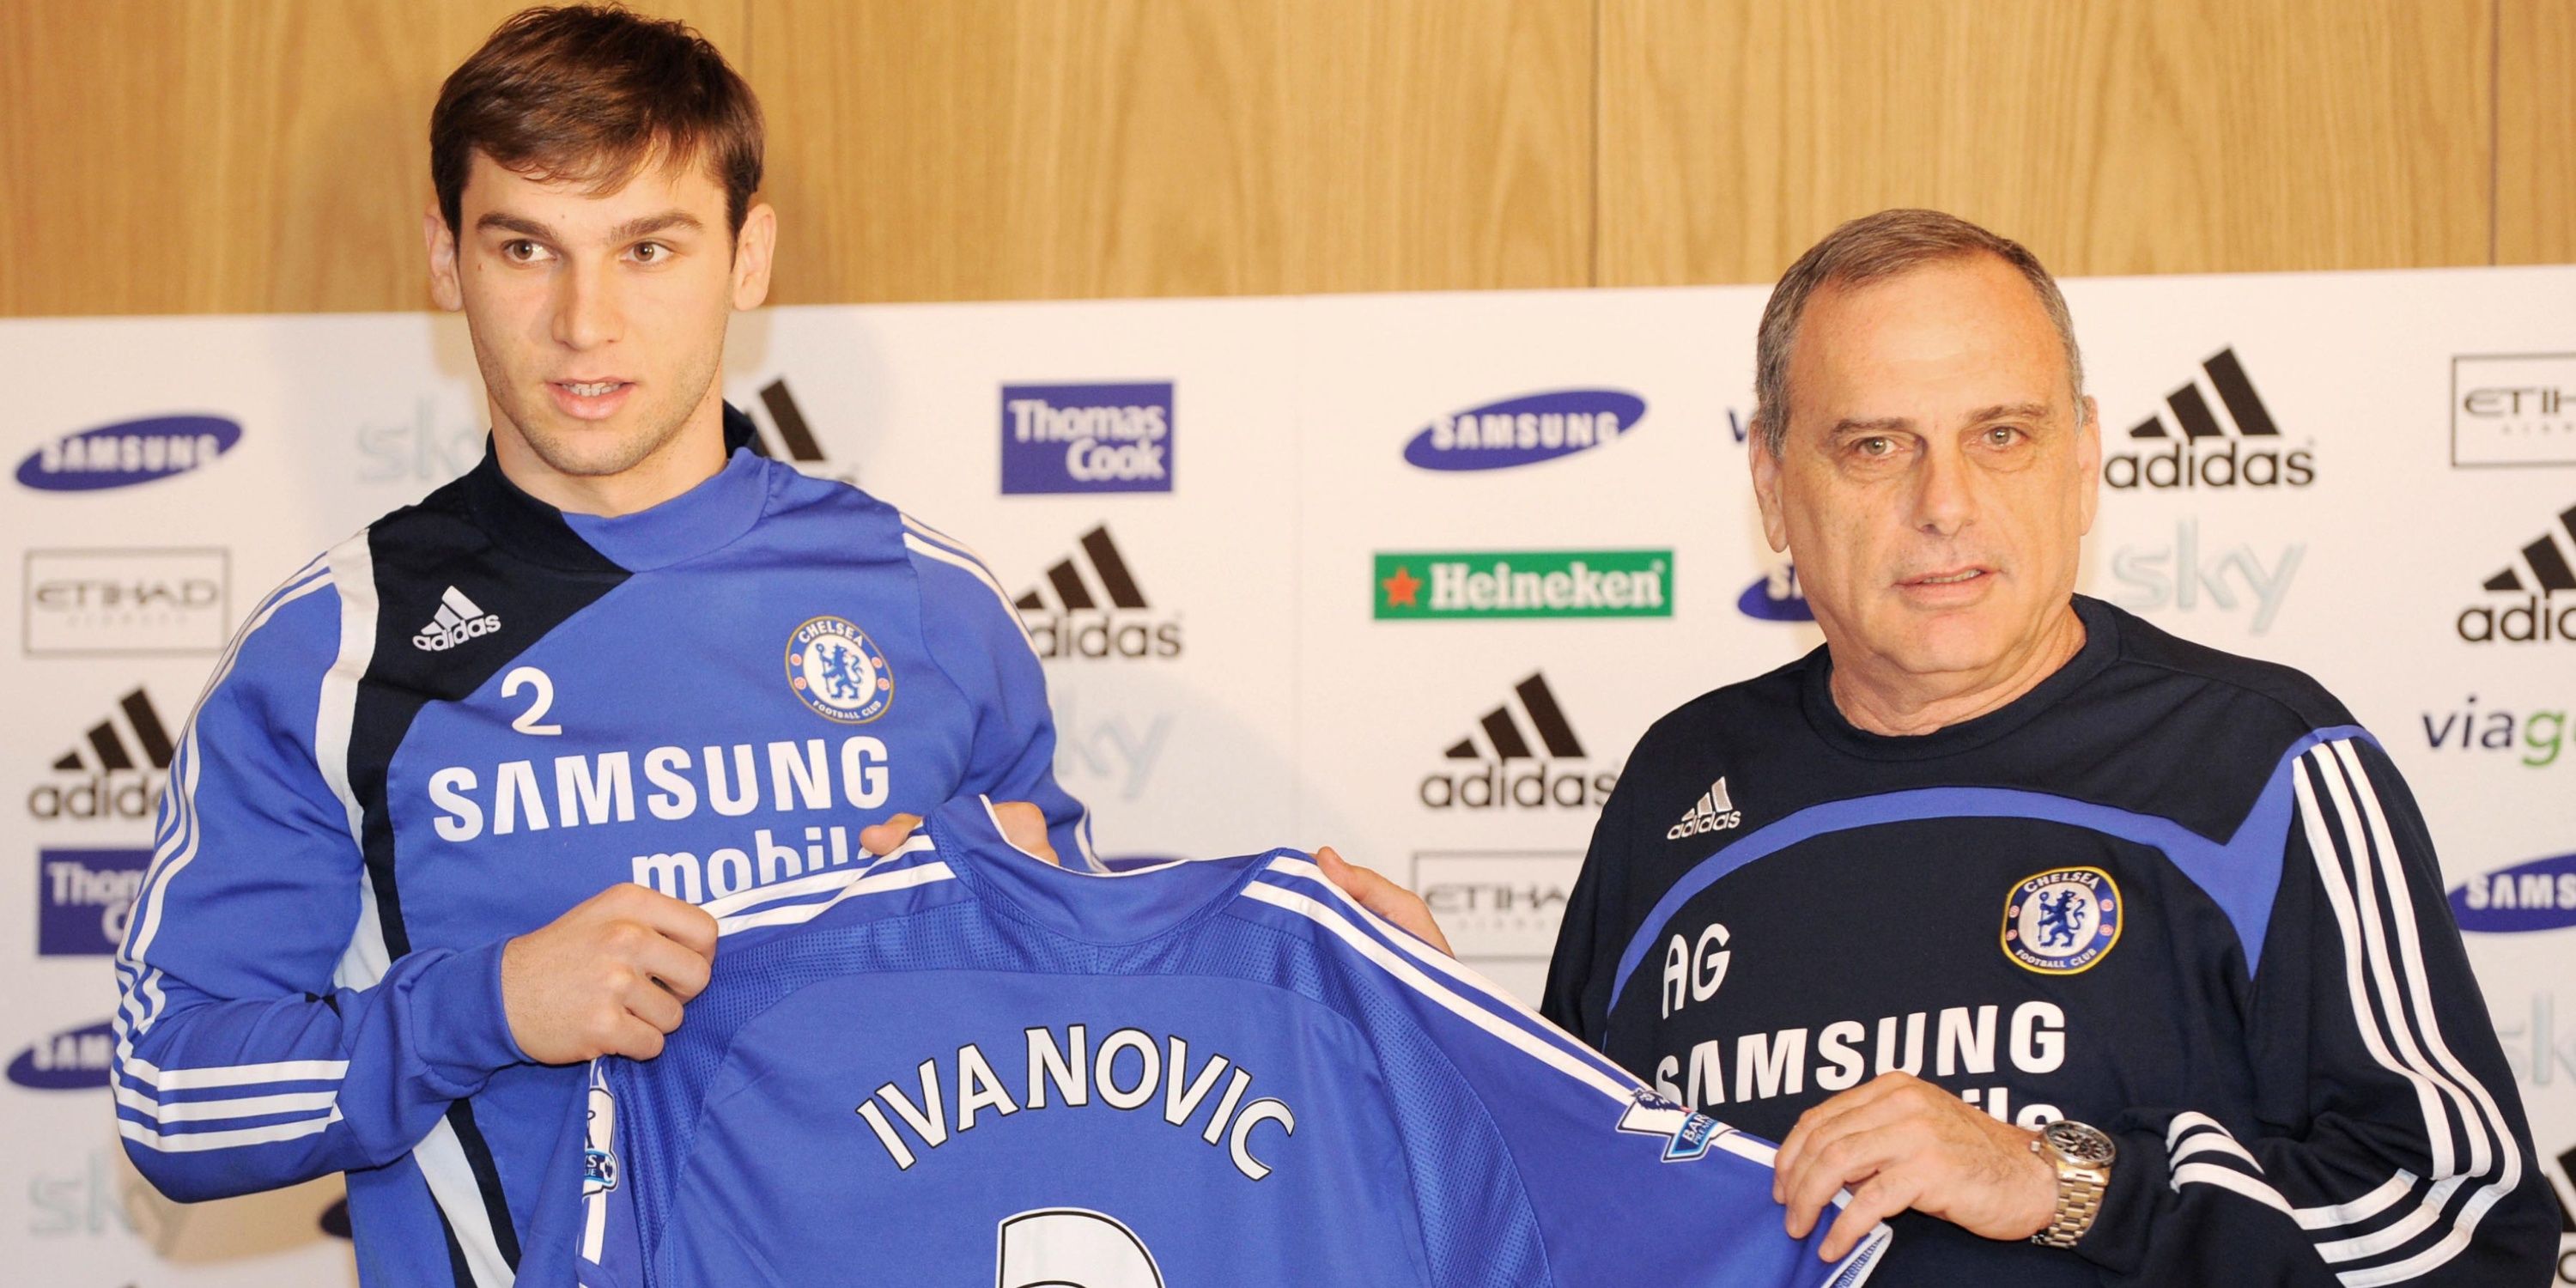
646,1001
1024,825
1802,1136
1388,900
1840,1157
1884,1196
636,1040
678,968
677,920
881,839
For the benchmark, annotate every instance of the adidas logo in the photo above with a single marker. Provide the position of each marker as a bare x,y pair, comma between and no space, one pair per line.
1503,736
1713,813
1081,624
458,620
2539,618
785,435
2207,455
122,761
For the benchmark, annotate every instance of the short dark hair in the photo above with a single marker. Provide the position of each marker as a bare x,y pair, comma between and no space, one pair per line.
1865,250
592,93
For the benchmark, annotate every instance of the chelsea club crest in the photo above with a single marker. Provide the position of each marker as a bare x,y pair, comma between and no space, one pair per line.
2061,922
839,671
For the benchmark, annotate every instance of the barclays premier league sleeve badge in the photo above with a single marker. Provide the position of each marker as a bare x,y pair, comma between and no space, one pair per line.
839,671
2061,922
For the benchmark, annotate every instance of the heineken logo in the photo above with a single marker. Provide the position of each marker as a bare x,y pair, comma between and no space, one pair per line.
1524,583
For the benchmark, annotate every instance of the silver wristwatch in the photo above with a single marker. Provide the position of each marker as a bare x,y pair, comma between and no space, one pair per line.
2082,1156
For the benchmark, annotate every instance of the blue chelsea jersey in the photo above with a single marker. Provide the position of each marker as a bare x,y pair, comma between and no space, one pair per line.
963,1065
461,722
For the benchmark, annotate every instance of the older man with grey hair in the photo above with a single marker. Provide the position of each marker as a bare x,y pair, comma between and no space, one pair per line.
2101,956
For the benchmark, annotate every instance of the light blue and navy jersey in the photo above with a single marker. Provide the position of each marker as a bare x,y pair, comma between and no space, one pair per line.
967,1066
456,725
2172,893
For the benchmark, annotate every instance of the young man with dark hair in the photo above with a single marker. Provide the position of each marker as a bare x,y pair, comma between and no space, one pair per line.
442,822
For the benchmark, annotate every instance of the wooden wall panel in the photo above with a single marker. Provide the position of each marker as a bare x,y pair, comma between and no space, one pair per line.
992,148
1442,144
2536,132
1031,149
249,156
2112,136
269,155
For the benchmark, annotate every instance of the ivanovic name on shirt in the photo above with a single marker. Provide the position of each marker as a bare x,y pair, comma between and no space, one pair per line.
1128,1071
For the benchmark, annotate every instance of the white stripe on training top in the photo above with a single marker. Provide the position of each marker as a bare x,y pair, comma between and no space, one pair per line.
142,998
367,956
2376,938
197,1142
961,557
181,846
2369,977
200,1111
2489,1118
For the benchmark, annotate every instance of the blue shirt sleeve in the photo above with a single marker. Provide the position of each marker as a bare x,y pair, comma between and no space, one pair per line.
259,1043
976,636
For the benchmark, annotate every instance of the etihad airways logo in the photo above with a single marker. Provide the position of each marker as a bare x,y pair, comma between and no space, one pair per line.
2542,617
2195,451
1496,767
1524,583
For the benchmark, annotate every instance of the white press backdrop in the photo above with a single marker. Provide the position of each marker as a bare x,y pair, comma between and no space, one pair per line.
2423,467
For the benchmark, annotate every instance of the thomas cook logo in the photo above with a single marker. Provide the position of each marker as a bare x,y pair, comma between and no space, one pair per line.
1525,430
838,671
2062,922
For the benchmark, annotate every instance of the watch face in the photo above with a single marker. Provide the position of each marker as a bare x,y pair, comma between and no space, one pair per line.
2078,1143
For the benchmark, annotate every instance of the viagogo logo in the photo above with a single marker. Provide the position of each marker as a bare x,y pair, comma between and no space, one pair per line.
2533,736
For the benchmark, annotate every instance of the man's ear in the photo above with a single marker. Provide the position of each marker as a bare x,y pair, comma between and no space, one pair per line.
2088,463
752,248
444,288
1766,486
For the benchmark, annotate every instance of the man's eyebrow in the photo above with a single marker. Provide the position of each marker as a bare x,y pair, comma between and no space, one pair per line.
651,224
515,224
1880,425
644,226
2009,411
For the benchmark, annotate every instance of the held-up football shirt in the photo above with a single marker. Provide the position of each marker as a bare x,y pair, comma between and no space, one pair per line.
2173,893
466,719
967,1066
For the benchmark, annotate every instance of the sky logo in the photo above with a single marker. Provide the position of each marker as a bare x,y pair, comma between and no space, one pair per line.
1525,430
1086,438
128,452
2539,895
